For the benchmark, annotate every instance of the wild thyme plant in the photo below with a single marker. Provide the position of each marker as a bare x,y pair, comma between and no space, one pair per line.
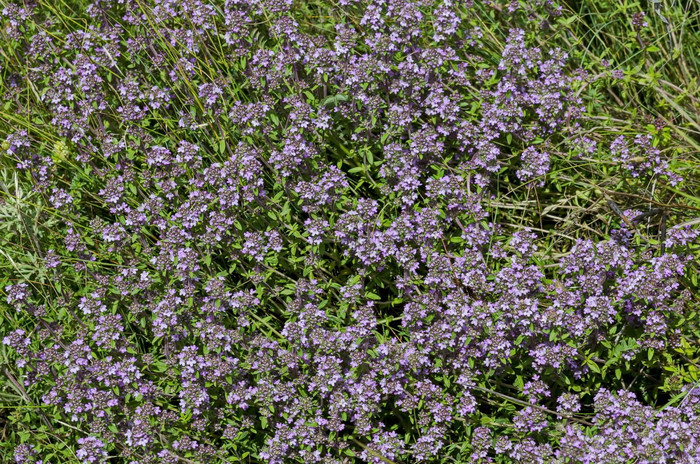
385,231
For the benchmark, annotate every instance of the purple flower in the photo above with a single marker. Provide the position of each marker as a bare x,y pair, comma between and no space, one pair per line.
91,450
534,164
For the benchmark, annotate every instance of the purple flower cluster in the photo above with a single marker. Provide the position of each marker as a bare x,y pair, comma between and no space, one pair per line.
640,158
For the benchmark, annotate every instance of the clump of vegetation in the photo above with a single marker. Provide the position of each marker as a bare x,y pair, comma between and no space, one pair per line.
356,231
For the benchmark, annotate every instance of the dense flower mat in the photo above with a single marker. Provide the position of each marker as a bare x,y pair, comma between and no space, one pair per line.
383,231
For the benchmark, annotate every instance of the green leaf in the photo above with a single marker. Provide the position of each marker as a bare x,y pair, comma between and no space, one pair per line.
334,99
593,366
310,96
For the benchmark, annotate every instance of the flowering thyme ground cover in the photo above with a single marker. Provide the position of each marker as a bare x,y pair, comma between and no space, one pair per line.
384,231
